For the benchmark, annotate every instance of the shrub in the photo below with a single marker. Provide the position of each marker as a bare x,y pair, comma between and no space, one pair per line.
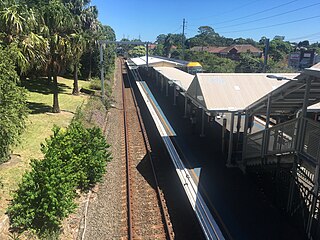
75,157
85,150
44,197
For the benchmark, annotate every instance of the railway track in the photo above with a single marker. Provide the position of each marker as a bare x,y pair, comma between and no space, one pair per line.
147,215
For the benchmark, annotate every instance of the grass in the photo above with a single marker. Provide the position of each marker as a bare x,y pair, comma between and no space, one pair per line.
39,124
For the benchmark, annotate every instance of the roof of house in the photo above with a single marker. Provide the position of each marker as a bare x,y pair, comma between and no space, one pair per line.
231,91
241,48
180,78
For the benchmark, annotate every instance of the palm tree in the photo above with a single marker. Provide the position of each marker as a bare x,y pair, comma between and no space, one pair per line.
77,45
58,23
18,25
168,43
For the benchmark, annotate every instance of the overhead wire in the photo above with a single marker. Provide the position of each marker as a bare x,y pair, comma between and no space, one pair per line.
268,17
257,13
176,29
274,25
304,37
232,10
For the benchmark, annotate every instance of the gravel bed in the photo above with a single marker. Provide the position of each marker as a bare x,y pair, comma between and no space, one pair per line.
106,211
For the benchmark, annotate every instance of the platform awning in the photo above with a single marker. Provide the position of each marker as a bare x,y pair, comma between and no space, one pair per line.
178,77
230,92
289,98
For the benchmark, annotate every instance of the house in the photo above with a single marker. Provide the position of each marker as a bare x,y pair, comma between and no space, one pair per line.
233,52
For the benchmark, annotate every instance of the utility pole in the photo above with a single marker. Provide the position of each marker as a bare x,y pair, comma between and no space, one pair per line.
183,38
266,51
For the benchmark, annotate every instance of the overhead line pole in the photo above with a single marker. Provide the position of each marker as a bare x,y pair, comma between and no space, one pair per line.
183,38
266,51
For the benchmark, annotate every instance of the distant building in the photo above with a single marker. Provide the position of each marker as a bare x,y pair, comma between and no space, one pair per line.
302,59
233,52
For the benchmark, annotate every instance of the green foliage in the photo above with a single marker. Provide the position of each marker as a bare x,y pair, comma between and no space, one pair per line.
75,157
45,196
279,49
249,64
137,51
13,110
85,150
211,62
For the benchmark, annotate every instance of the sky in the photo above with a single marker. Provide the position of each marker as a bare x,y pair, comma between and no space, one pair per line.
295,19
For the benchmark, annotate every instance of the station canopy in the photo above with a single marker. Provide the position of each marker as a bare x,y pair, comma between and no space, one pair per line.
230,92
178,77
156,61
289,98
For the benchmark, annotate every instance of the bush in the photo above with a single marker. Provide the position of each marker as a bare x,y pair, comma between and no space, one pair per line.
44,197
95,84
85,150
74,158
13,108
93,113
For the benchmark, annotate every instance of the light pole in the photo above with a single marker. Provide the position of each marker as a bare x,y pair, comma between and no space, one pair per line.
280,78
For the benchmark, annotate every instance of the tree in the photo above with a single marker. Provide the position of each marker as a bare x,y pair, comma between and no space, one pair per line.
77,45
249,64
279,49
137,51
161,39
159,50
58,21
13,110
304,43
168,43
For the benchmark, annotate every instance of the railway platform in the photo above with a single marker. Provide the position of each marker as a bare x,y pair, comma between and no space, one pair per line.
239,206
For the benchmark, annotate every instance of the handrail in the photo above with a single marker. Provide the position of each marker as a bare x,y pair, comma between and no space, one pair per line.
283,138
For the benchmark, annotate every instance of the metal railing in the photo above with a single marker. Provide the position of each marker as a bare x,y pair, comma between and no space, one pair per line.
300,135
311,140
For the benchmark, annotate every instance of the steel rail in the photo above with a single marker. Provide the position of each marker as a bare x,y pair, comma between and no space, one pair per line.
166,221
130,231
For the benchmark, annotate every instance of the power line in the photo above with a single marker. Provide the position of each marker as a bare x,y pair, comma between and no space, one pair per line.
274,25
232,10
272,16
257,13
303,37
176,29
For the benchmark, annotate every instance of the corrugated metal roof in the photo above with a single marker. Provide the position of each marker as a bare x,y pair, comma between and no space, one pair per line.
180,78
231,91
141,61
289,98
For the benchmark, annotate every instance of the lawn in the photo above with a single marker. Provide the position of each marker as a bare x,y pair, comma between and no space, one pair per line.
39,124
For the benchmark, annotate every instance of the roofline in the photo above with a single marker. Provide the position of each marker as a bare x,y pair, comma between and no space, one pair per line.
278,90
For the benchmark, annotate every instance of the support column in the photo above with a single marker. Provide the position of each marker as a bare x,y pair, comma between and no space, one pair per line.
102,71
265,143
230,140
147,55
292,185
174,95
301,129
314,200
244,142
238,129
161,82
224,127
167,88
185,105
202,123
